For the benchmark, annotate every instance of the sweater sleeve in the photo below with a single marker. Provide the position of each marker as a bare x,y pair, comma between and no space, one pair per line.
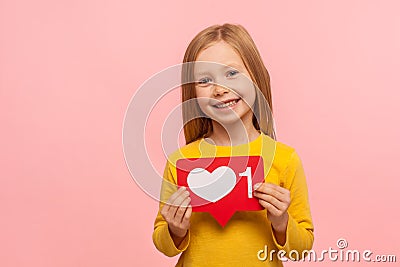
300,229
161,235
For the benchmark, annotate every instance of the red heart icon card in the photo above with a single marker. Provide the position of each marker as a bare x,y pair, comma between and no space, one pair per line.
221,185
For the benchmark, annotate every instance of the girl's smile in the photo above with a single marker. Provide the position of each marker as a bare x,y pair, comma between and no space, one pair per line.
227,104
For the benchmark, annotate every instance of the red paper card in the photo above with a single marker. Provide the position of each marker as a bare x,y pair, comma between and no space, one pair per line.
221,185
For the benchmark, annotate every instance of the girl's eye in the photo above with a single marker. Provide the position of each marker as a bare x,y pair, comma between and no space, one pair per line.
232,73
204,81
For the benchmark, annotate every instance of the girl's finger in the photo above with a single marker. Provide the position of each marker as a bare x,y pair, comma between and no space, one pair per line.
270,208
273,190
188,213
165,211
279,188
271,185
180,212
177,202
271,200
174,198
181,197
186,217
175,195
266,189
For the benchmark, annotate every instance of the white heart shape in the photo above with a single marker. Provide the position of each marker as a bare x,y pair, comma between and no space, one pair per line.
212,186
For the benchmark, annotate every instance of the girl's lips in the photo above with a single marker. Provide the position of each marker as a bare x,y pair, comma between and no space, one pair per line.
231,103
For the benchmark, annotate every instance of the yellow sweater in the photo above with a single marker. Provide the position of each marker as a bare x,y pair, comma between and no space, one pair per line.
247,232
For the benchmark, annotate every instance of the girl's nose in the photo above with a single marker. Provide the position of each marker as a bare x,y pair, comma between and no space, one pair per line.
220,90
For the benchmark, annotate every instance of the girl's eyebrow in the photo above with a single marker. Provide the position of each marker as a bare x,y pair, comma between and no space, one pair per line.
224,66
232,64
202,73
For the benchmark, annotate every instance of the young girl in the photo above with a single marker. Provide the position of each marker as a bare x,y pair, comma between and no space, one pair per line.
225,122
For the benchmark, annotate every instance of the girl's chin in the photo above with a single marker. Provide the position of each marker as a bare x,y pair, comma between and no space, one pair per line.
231,117
226,119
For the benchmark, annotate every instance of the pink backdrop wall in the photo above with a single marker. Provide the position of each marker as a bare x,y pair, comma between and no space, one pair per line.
69,68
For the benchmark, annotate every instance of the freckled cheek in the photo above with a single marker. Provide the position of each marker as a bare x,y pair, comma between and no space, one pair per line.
202,102
246,92
204,105
242,85
251,97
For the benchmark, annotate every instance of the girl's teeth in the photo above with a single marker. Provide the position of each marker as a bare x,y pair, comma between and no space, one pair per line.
231,103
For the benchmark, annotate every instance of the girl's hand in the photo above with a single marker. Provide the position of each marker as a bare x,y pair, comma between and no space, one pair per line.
177,212
276,200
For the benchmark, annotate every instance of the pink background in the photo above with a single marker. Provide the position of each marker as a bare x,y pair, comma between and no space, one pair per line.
69,68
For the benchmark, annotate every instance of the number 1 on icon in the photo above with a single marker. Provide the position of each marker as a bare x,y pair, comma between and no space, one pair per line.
247,173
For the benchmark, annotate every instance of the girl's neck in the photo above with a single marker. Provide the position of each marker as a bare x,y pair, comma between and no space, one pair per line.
233,134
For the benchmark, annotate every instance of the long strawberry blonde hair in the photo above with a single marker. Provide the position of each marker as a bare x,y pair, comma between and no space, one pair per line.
196,123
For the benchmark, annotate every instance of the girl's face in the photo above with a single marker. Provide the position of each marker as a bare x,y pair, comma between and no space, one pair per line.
224,89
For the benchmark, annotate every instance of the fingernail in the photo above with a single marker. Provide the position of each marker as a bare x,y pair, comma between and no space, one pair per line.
257,185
